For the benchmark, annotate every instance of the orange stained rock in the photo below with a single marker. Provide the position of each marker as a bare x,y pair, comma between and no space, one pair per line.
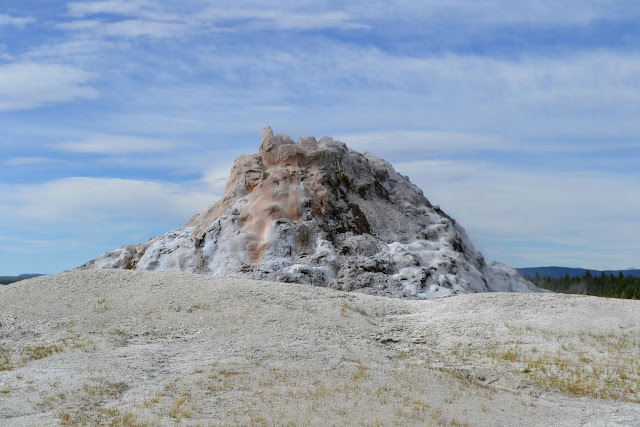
282,181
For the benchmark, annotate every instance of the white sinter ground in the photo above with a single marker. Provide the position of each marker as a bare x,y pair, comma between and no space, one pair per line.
115,347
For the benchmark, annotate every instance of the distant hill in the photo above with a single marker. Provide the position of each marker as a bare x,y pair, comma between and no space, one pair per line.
558,272
5,280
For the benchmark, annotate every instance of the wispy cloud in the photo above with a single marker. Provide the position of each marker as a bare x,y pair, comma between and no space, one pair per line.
65,222
542,96
31,85
128,27
80,49
115,7
96,201
34,246
490,11
266,19
116,18
216,178
14,20
584,94
588,212
145,18
495,11
116,144
29,161
394,144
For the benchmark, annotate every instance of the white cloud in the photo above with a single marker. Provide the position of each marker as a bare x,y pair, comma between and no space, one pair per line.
31,85
28,246
116,144
216,178
476,12
17,21
579,215
509,201
144,18
137,27
586,94
250,15
320,84
128,28
83,49
460,12
245,19
64,223
248,18
402,143
489,11
128,19
28,161
100,202
116,7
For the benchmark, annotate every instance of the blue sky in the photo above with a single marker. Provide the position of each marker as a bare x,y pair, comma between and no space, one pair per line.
120,119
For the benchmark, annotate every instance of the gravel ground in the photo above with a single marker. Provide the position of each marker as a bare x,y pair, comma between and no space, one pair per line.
113,347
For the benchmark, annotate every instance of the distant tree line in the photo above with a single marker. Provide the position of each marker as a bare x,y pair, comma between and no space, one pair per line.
602,285
5,280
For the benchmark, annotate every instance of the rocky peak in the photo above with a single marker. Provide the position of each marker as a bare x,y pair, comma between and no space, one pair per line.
317,212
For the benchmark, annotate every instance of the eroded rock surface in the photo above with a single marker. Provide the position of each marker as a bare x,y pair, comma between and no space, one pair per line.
319,213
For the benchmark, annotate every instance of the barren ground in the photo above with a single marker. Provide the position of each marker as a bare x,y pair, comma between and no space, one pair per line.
146,348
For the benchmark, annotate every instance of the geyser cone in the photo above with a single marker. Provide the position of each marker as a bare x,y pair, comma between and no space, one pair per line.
319,213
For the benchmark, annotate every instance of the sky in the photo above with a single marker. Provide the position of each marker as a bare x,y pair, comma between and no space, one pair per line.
120,119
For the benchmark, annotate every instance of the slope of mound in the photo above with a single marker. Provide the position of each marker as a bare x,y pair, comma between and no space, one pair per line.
316,212
140,348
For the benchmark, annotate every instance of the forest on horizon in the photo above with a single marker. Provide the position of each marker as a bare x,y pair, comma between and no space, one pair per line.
602,285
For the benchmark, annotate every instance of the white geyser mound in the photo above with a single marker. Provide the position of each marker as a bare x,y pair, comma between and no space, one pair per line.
319,213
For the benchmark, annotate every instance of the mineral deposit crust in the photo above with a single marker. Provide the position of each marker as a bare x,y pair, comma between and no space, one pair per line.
319,213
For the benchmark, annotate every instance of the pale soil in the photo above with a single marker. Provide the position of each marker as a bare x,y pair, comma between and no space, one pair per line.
146,348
